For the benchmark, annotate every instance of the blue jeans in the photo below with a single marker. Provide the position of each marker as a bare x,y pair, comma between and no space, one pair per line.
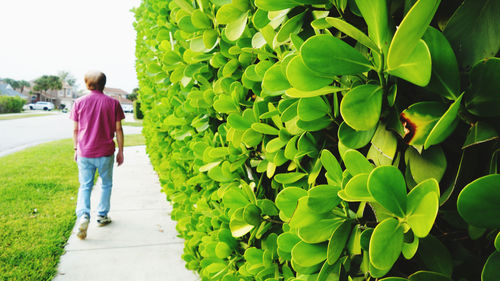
86,174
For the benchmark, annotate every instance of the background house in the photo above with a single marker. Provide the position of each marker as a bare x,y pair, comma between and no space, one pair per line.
7,90
118,94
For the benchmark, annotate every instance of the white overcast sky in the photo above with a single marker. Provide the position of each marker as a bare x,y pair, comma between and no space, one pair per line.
40,37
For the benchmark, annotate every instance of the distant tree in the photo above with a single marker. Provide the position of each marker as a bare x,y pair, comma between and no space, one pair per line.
134,95
22,84
67,77
47,82
17,84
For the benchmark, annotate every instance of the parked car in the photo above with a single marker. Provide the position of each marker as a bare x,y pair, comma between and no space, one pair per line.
42,105
127,108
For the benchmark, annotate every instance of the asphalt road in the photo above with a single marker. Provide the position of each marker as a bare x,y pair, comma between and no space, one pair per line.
18,134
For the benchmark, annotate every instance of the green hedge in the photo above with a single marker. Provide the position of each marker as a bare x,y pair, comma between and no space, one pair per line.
314,140
138,114
11,104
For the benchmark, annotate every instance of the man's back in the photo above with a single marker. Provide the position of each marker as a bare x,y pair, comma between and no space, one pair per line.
96,115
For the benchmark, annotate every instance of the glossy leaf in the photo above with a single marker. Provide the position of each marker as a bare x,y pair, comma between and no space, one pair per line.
332,166
356,163
491,269
445,79
478,204
323,198
480,132
319,231
428,276
352,138
303,78
430,164
375,14
419,119
483,99
274,80
357,188
386,243
423,204
387,186
353,32
306,255
407,36
294,93
445,126
331,56
288,198
310,109
361,107
415,68
338,241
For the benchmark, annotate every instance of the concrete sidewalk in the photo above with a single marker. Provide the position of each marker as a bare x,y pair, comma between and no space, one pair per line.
140,244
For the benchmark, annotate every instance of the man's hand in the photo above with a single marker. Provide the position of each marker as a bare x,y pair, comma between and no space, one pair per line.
119,157
76,156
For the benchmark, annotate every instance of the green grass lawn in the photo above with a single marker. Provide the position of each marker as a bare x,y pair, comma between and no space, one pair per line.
19,116
133,124
38,190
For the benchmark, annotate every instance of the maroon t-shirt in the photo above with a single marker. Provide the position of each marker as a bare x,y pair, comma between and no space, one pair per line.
96,115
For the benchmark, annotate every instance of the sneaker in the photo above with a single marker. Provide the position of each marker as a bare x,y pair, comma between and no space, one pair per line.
103,220
83,224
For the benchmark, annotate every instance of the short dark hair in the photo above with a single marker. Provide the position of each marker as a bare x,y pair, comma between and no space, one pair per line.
95,80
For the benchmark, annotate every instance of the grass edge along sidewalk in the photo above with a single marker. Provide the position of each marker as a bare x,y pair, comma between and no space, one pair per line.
38,190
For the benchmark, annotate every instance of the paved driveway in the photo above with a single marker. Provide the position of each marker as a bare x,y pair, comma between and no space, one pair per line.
18,134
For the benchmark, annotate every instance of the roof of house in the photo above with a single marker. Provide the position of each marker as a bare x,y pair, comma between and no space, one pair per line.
115,91
6,90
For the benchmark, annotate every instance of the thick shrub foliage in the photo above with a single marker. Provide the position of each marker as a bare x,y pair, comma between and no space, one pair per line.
326,139
11,104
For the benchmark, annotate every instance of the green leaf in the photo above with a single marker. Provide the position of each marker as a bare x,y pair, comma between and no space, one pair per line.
329,272
323,198
338,241
409,32
286,241
357,188
288,199
222,250
260,19
251,138
497,242
474,32
445,79
435,256
275,5
479,132
415,68
200,20
491,269
423,204
352,138
384,146
238,122
274,80
306,255
353,32
375,14
303,78
239,227
319,231
314,125
294,93
356,163
209,39
428,276
387,186
445,126
430,164
310,109
235,29
251,215
264,129
331,56
289,177
483,99
275,145
293,25
227,14
386,243
332,166
478,204
419,119
361,107
410,249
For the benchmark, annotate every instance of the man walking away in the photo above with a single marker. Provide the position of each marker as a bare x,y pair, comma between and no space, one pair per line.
96,117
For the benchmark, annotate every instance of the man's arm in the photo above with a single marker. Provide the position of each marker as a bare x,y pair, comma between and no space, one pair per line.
119,140
75,138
